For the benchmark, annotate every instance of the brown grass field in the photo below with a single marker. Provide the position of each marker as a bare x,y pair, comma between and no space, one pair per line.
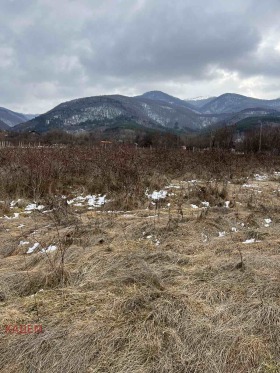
138,285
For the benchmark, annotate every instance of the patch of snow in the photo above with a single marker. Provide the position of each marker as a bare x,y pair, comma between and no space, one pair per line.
49,249
157,195
260,177
194,206
34,206
267,221
205,204
222,234
33,248
96,201
23,243
16,216
13,203
234,229
227,204
174,186
90,200
251,240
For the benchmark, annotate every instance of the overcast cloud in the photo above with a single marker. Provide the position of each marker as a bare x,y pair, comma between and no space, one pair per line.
56,50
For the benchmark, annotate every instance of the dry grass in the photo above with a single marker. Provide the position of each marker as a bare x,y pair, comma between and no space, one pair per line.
143,293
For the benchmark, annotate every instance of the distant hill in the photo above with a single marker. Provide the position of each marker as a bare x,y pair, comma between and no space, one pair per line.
11,118
161,96
233,103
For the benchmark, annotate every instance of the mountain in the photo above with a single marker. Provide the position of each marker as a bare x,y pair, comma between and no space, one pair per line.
11,118
228,103
89,113
233,103
161,96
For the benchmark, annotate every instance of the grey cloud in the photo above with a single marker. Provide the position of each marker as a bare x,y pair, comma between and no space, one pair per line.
53,50
175,40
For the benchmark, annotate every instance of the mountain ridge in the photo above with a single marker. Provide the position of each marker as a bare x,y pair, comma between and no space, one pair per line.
86,113
154,109
232,102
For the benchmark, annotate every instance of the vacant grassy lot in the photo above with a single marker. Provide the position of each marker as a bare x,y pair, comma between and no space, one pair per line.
143,261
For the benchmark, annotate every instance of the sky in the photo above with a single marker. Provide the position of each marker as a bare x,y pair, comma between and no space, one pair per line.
53,51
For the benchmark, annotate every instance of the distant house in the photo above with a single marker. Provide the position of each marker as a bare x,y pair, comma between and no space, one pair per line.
105,143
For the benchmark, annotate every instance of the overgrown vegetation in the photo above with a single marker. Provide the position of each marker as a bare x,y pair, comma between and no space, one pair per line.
41,172
185,283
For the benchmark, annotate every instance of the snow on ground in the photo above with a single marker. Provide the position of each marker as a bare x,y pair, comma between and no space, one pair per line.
33,248
155,240
172,186
16,216
156,195
24,243
49,249
267,222
14,203
33,206
260,177
251,240
96,201
91,200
